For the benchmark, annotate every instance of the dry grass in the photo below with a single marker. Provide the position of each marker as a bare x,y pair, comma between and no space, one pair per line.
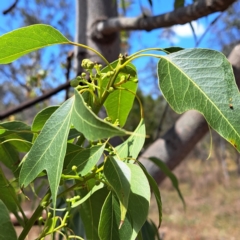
213,203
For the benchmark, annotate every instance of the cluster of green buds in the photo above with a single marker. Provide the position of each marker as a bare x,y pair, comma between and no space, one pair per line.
94,71
87,64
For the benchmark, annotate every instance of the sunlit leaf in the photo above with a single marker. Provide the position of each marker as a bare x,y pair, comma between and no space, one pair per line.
203,80
7,229
139,198
48,150
92,127
130,148
27,39
120,101
118,176
41,118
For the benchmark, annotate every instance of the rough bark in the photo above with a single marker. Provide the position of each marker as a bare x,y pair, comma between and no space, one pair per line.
177,143
181,15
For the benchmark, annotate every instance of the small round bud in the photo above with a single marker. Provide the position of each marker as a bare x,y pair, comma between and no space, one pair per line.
111,89
74,168
97,182
74,82
123,78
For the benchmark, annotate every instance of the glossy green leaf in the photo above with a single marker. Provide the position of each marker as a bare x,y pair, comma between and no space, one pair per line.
41,118
109,221
90,125
91,209
139,198
156,192
119,103
178,3
48,150
169,174
203,80
118,176
27,39
130,148
85,160
7,229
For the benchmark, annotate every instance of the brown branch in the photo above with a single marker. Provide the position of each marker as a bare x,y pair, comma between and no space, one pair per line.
177,142
68,69
181,15
10,8
32,102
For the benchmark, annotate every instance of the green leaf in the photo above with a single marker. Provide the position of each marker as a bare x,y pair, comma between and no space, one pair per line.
91,209
169,174
73,134
48,151
9,156
41,118
19,144
92,127
16,130
72,151
118,176
7,194
173,49
150,231
7,229
178,3
109,221
85,160
156,192
119,103
134,144
139,198
203,80
88,195
24,40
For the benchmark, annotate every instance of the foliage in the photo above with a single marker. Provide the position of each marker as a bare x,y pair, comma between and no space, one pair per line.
70,143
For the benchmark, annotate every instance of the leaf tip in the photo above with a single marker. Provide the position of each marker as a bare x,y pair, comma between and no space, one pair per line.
121,223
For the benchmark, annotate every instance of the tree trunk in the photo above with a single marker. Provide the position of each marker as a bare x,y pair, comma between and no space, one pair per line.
89,13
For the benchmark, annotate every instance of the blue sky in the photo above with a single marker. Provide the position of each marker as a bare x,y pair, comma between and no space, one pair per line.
182,37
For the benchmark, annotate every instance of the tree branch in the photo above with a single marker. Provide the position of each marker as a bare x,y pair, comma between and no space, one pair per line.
181,15
177,142
10,8
31,102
